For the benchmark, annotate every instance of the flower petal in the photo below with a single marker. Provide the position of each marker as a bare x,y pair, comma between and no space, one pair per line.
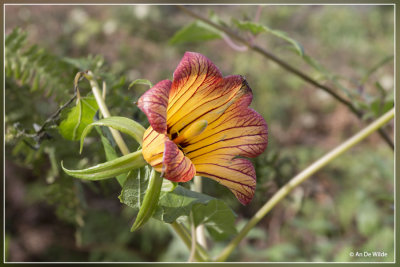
154,104
237,174
199,88
209,106
176,167
153,148
165,156
193,70
240,131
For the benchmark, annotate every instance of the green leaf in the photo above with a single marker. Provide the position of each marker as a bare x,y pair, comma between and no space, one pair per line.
140,81
93,63
196,31
78,118
178,203
122,124
15,40
317,66
256,28
35,66
369,72
134,188
111,168
135,185
12,36
217,217
389,104
36,83
143,197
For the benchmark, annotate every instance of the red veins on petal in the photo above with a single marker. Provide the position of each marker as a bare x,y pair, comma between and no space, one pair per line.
154,104
176,167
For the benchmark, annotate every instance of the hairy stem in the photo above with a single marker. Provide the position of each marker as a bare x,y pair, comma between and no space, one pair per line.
301,177
286,66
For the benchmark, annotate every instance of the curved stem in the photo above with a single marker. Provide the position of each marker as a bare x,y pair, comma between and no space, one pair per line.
104,110
301,177
287,67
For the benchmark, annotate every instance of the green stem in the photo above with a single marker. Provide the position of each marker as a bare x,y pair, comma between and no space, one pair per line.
201,237
194,239
301,177
104,110
200,254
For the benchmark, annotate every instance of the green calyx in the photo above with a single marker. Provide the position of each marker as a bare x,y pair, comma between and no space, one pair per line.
150,200
122,124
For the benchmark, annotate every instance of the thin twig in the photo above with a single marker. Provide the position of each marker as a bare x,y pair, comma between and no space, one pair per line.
271,56
287,67
55,115
228,41
78,77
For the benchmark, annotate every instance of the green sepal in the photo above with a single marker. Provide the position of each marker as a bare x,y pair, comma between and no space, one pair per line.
122,124
150,200
110,168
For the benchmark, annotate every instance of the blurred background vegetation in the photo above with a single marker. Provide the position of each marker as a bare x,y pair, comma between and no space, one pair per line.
348,206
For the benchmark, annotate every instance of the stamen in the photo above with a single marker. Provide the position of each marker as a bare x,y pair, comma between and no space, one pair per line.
192,131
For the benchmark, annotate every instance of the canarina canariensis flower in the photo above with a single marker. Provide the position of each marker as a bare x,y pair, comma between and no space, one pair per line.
201,125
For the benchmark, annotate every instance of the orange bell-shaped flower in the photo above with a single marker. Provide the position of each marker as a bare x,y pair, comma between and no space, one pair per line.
201,124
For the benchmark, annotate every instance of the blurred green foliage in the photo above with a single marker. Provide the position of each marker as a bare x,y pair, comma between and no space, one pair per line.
346,207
